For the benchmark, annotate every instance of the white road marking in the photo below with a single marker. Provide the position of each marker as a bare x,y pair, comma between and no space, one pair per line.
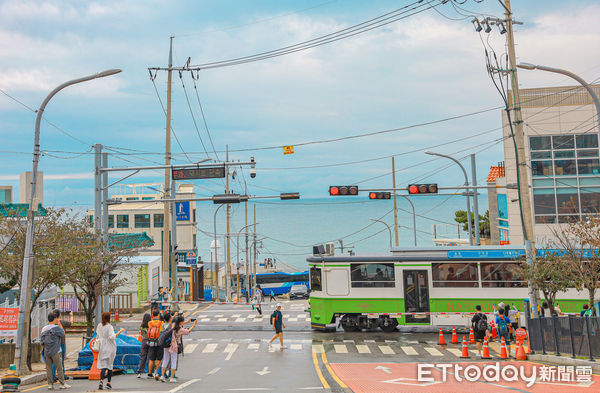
292,319
363,348
221,319
318,348
205,320
340,348
433,351
384,369
264,371
214,370
369,341
189,348
240,320
312,388
391,341
218,316
412,342
455,351
296,347
210,348
231,348
236,315
386,350
349,341
202,316
253,346
250,389
184,385
409,351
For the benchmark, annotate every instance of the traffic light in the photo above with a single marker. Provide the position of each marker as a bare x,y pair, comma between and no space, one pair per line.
422,188
380,195
343,190
229,198
289,195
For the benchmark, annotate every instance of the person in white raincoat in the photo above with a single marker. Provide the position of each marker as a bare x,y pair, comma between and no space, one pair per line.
105,333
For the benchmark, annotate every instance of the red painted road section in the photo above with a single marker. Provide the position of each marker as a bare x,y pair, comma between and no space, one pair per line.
402,377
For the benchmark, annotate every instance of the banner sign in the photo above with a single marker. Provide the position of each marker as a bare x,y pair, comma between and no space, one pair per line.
8,321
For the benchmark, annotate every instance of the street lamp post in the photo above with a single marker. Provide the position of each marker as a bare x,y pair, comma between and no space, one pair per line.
214,261
26,275
529,66
469,226
387,226
238,264
414,217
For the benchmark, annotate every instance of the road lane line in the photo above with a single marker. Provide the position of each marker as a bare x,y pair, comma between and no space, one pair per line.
318,348
386,350
318,370
240,320
184,385
236,315
222,320
339,348
205,320
210,348
231,348
214,370
409,351
333,375
433,351
363,348
189,348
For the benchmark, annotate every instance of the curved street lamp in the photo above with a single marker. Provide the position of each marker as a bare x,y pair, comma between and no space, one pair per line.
387,226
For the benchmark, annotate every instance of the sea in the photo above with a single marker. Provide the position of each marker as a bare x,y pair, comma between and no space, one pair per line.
287,230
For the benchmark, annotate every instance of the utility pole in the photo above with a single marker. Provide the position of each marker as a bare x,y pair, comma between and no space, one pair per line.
247,261
104,195
395,204
98,212
254,263
475,200
228,269
522,171
173,255
166,246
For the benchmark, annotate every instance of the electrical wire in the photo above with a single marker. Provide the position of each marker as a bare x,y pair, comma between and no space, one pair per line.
192,114
204,117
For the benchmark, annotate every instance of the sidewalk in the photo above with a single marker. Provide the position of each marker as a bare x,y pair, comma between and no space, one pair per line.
564,360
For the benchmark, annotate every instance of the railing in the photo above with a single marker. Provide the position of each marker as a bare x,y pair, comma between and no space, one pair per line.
562,335
121,301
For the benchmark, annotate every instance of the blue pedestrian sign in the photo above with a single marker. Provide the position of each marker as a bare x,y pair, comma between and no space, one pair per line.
182,211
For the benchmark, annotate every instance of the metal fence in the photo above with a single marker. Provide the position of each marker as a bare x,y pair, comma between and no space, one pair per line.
121,301
566,335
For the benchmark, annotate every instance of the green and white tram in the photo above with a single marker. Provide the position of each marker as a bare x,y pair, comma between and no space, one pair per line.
436,285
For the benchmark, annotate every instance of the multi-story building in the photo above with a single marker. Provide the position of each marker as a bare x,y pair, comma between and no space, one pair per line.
561,151
6,193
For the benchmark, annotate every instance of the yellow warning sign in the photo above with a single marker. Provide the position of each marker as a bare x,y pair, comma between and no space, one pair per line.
288,149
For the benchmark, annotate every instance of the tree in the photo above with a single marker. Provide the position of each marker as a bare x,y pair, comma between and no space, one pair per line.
484,222
551,274
580,245
51,242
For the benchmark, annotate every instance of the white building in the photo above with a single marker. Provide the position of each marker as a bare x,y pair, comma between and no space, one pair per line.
561,145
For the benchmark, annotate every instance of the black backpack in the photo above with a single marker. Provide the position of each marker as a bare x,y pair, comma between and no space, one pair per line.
481,324
164,341
273,317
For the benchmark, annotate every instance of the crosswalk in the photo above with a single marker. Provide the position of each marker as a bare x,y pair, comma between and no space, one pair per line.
396,348
250,318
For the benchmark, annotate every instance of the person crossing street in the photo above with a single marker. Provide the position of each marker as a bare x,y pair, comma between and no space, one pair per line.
278,325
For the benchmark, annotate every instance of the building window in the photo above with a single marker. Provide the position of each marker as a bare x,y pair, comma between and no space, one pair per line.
315,279
369,275
194,240
454,275
131,198
565,171
501,275
122,221
91,221
194,216
142,220
111,221
147,198
159,220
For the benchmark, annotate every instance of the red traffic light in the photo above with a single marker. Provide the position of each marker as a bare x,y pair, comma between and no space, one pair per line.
343,190
380,195
422,188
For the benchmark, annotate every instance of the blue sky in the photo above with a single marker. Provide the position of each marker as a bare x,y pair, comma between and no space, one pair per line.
420,69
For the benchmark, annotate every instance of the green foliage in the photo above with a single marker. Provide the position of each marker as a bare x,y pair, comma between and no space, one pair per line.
484,222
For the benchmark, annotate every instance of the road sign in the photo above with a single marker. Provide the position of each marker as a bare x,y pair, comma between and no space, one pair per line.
521,334
182,211
8,321
190,258
288,149
212,172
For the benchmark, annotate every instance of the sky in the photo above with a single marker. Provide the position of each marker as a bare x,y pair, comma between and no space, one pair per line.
424,68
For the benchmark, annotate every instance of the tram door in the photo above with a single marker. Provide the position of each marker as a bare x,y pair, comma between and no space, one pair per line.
416,295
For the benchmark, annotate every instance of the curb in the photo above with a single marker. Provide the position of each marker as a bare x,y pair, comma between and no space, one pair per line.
33,378
564,361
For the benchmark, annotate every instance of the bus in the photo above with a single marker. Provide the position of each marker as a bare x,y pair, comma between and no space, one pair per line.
434,286
280,282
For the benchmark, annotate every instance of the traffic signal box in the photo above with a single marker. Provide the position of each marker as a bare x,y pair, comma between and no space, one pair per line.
416,189
380,195
343,190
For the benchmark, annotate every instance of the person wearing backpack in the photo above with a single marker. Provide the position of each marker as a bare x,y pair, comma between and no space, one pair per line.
278,325
480,327
171,343
154,329
502,322
144,349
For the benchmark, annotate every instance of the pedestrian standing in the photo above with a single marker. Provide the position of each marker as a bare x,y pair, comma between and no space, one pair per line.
480,327
50,338
502,322
257,300
144,350
108,349
154,329
585,309
181,289
278,325
63,348
171,353
272,296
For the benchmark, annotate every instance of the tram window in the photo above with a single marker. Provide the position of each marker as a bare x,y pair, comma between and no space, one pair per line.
501,275
369,275
454,275
315,279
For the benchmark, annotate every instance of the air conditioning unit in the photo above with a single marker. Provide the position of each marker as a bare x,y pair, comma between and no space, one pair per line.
329,249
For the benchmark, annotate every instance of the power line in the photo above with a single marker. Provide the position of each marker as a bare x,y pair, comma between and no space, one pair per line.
204,117
192,113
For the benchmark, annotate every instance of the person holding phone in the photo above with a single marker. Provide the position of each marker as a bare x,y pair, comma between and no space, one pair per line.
105,333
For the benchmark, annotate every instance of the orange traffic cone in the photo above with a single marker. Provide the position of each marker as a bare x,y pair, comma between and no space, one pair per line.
454,336
494,331
486,349
139,337
465,350
528,349
441,340
94,371
471,336
503,354
520,353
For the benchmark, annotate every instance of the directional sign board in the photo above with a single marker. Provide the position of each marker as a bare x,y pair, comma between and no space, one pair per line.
212,172
190,258
288,149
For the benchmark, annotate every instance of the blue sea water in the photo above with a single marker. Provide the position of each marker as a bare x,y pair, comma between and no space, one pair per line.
287,230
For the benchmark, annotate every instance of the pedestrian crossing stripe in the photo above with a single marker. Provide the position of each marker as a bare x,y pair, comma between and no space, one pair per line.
409,350
339,348
433,351
387,350
189,348
363,348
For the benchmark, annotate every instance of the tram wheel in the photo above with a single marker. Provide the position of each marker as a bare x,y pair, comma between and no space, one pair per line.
349,323
388,325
